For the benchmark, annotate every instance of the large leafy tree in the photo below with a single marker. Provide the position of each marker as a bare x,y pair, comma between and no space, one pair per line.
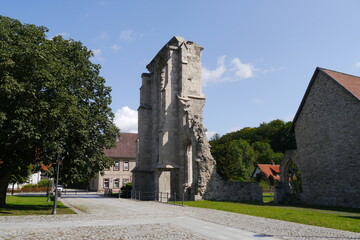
265,154
53,105
276,133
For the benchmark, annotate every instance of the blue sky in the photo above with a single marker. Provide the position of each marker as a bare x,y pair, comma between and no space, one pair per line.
258,55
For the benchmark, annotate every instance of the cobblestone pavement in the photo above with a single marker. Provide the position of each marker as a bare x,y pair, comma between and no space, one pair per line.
111,218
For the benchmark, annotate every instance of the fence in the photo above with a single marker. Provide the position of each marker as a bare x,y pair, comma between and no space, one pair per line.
74,191
164,197
21,190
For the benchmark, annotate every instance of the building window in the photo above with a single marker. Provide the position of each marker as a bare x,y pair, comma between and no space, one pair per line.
116,183
116,165
126,166
106,183
125,181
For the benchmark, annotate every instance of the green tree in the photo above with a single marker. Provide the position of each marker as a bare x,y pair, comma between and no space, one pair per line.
265,154
54,105
235,160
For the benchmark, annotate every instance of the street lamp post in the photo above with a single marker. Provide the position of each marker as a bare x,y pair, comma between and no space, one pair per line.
56,188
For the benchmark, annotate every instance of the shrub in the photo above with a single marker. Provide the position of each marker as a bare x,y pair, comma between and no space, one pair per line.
264,184
30,186
44,183
127,187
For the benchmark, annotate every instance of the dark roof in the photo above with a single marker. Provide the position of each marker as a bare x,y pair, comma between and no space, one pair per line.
349,82
270,170
125,146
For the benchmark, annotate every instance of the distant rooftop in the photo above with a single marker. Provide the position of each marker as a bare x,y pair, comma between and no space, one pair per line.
125,146
270,170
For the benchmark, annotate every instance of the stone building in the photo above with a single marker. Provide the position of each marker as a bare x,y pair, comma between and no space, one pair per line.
124,157
174,153
327,132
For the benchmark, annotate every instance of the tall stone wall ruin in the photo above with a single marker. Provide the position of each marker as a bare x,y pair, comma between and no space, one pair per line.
174,153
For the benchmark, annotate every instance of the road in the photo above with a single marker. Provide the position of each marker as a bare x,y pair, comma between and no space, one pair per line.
111,218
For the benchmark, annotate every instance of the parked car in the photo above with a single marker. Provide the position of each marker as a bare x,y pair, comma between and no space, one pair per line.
60,188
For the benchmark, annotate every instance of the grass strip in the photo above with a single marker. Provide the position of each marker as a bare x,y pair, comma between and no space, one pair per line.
31,205
343,220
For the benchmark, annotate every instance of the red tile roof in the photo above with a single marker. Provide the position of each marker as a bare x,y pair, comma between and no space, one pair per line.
44,167
125,146
350,82
270,170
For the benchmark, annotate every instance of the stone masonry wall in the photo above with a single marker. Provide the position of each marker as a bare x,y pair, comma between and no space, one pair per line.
328,136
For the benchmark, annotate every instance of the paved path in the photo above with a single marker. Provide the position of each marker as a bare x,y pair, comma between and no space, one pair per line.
111,218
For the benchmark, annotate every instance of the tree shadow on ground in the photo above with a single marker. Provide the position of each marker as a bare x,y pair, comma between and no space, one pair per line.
11,208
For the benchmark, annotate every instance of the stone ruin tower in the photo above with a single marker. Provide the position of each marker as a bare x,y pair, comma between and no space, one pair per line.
173,151
172,141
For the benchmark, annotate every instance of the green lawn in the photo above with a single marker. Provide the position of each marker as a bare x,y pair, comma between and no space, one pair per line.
268,197
346,219
31,205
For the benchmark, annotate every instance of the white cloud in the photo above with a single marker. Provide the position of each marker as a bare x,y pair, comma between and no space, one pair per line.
126,119
357,64
103,36
98,55
257,101
212,76
210,134
272,69
127,35
130,35
115,48
63,34
243,70
237,71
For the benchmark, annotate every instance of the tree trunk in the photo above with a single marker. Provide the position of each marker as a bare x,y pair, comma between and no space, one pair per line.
4,182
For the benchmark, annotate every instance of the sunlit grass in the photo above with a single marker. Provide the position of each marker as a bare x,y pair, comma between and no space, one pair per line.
268,197
31,205
344,219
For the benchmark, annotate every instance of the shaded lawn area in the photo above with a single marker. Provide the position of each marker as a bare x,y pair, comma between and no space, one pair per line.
336,218
31,205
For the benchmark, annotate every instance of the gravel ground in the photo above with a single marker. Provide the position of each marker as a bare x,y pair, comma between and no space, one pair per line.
111,218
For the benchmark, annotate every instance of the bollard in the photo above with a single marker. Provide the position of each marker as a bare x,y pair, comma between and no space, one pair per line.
167,197
139,196
174,198
160,196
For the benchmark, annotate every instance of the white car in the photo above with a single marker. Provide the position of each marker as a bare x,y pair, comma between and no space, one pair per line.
60,188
